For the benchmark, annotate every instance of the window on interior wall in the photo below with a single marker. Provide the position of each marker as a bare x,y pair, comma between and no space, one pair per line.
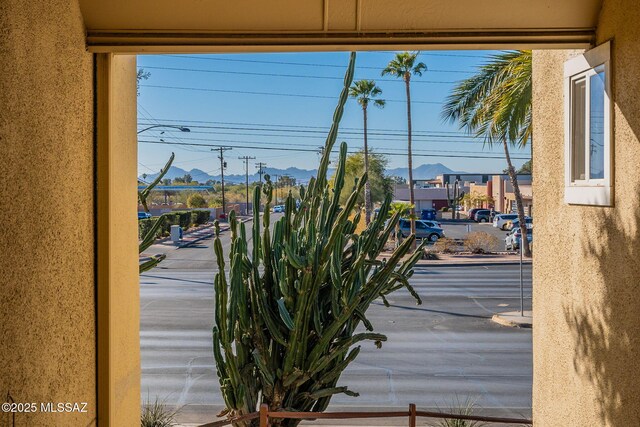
588,137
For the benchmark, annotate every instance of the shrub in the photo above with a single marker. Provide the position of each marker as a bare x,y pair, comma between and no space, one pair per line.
444,209
197,201
480,242
465,408
200,216
430,255
446,246
156,414
144,226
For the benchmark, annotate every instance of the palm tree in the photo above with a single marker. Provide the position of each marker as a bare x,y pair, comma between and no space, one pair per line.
365,91
402,66
495,104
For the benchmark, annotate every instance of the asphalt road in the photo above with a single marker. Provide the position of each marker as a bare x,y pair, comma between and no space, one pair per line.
443,350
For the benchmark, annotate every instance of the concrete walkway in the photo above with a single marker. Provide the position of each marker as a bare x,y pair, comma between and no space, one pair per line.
514,319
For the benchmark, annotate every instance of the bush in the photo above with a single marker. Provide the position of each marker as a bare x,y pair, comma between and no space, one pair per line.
145,225
156,414
480,242
446,246
197,201
444,209
200,216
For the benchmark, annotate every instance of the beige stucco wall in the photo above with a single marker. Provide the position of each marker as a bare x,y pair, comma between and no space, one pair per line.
47,316
117,248
586,275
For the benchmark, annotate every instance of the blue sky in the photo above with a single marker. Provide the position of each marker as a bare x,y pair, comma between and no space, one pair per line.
229,100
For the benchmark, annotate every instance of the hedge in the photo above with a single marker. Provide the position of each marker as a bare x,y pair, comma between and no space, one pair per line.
200,216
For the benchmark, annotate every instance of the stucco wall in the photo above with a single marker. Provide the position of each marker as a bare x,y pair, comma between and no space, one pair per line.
586,275
47,310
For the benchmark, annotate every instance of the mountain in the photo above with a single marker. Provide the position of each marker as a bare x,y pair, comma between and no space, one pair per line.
301,175
426,171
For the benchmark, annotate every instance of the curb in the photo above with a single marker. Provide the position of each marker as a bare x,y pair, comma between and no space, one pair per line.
504,322
434,263
207,235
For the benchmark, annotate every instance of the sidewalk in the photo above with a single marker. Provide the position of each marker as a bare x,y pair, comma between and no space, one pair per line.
475,259
190,237
514,319
462,259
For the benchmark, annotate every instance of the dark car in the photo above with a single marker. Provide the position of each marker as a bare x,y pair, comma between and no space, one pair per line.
472,212
482,215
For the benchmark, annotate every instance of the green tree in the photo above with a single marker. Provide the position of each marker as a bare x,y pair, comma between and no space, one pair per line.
403,66
380,185
141,75
495,104
364,91
188,178
197,201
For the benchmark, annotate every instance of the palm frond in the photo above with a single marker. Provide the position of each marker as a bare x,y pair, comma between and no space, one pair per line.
495,104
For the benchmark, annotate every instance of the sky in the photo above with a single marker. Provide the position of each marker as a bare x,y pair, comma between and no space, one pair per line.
279,107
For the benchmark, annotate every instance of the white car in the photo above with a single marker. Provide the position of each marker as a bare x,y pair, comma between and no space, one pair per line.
278,209
500,221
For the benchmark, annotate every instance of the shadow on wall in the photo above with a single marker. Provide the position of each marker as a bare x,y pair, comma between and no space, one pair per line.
606,335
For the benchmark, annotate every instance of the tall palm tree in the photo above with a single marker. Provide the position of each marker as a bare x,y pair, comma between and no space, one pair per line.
495,104
364,91
403,66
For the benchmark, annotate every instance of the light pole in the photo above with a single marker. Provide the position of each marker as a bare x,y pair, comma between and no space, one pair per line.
180,128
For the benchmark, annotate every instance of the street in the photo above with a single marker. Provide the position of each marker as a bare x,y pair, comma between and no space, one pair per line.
445,349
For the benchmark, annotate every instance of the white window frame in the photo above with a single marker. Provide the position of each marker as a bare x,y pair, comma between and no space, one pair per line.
594,192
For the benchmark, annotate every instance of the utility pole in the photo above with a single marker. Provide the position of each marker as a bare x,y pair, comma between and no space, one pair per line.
246,178
275,183
260,166
223,164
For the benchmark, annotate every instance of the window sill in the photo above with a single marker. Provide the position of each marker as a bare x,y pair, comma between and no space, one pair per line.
589,195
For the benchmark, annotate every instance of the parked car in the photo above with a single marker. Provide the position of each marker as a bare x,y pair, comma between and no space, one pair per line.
278,209
423,230
512,241
472,212
500,221
432,224
516,223
144,215
482,215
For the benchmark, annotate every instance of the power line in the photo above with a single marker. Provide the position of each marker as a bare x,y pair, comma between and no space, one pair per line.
300,76
291,144
315,150
375,132
325,128
301,64
295,95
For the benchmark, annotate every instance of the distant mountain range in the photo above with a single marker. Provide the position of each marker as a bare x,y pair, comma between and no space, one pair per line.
425,171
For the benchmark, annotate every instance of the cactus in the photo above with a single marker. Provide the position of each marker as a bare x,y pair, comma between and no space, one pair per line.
454,199
149,238
286,311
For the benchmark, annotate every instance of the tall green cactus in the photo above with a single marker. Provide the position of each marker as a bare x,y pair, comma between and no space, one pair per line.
287,311
454,199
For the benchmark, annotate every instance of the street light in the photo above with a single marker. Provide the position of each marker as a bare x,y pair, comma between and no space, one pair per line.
180,128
